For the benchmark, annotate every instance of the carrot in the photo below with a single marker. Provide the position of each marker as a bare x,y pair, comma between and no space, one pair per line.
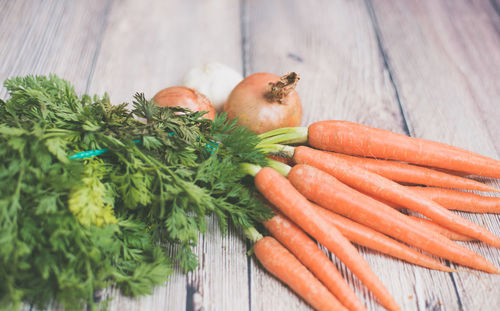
450,172
441,230
386,189
328,192
452,235
412,174
280,192
306,250
460,201
282,264
365,236
357,139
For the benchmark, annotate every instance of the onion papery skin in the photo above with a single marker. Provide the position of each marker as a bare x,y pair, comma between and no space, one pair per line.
181,96
255,109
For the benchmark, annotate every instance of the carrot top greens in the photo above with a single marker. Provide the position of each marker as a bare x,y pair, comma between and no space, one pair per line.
72,227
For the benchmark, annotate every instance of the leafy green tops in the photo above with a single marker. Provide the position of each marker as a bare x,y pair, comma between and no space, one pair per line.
71,227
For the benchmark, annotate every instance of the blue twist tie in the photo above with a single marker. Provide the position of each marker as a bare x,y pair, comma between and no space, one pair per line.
212,147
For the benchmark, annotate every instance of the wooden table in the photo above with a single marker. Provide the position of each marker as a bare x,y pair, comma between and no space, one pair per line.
428,69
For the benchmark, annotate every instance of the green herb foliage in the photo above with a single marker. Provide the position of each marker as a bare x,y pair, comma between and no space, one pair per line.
72,227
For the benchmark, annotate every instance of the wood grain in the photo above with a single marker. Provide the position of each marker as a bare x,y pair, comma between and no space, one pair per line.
148,46
50,37
444,57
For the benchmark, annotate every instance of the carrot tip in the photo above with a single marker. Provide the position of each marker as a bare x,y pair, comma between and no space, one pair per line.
495,243
492,269
495,271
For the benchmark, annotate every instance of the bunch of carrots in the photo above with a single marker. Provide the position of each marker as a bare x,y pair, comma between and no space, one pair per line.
349,186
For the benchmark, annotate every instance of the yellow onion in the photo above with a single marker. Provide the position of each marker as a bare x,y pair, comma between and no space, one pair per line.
264,102
181,96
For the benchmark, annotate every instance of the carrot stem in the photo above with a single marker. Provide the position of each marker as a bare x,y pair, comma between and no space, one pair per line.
289,138
285,135
252,234
280,167
283,130
250,169
277,149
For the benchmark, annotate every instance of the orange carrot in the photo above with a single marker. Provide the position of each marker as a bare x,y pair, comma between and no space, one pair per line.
357,139
450,172
452,235
283,265
381,187
460,201
280,192
330,193
365,236
389,203
412,174
308,252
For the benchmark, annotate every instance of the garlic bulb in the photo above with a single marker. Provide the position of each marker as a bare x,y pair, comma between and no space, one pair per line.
214,80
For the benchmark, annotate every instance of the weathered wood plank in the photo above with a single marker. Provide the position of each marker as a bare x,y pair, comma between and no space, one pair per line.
149,46
444,57
58,37
333,45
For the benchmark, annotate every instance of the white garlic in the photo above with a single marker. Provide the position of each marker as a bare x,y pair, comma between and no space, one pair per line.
214,80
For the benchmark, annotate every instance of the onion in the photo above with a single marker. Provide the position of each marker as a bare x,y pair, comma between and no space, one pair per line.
214,80
181,96
264,102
